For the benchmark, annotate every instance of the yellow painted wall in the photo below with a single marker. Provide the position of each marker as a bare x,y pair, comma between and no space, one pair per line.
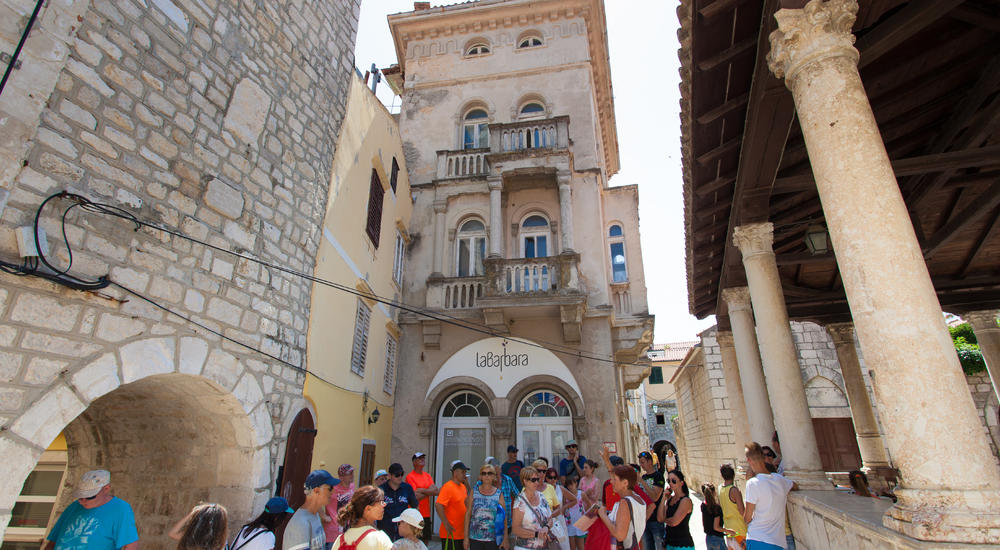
369,138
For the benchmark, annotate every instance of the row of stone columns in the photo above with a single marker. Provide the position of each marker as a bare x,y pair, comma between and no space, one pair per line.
950,485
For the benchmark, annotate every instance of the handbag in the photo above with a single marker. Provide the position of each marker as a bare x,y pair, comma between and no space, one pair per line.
552,543
500,524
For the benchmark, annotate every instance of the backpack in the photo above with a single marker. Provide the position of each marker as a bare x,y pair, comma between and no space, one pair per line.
239,533
357,541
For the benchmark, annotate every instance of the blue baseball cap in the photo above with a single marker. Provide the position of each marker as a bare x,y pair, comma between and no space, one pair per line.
277,505
318,478
616,460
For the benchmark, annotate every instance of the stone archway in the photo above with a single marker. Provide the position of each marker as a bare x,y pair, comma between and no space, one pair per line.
177,421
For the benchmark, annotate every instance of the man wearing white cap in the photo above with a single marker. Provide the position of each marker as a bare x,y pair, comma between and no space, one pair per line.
96,520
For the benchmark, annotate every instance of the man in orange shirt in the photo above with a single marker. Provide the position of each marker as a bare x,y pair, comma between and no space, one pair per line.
450,506
424,488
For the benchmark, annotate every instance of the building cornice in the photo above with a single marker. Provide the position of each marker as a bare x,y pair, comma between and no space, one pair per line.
486,15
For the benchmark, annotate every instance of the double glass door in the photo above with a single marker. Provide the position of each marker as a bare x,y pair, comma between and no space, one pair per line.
543,437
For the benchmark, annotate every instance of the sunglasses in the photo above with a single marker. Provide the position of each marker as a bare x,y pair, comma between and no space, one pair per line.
572,447
769,455
551,477
534,479
673,481
487,474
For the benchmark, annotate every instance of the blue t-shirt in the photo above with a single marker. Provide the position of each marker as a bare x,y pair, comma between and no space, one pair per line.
395,503
566,465
107,527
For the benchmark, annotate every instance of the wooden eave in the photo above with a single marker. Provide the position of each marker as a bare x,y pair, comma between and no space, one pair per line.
932,72
487,15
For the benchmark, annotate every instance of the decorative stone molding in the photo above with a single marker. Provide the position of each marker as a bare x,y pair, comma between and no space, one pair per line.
737,298
426,426
501,426
440,206
432,334
982,321
495,182
754,239
580,427
842,333
563,177
817,31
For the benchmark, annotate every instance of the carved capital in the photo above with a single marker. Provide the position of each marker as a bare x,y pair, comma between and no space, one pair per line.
495,183
501,426
426,426
818,31
754,238
563,177
982,321
440,206
842,333
724,338
737,299
580,428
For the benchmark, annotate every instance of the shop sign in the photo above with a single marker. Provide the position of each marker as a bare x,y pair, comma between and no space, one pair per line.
490,360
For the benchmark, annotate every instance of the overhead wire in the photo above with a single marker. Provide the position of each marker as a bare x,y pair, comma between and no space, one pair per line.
61,276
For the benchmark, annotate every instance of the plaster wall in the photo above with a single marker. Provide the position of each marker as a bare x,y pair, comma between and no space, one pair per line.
369,140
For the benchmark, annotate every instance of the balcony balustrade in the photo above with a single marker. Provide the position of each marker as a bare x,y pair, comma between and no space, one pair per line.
526,136
462,163
532,278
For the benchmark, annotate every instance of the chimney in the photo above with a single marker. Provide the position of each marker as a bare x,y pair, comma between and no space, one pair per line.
417,6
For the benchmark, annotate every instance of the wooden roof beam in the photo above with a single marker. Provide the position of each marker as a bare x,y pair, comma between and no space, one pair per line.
719,7
976,17
719,151
716,184
903,24
989,200
727,54
992,229
714,113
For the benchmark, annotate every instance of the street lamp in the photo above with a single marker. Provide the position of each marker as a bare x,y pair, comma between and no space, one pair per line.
817,240
373,417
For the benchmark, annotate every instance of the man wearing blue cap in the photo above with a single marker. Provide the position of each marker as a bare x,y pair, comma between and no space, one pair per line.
305,530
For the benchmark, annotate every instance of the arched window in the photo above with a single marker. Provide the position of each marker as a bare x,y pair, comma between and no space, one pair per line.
475,132
529,41
616,237
479,48
471,249
535,237
532,109
543,404
465,404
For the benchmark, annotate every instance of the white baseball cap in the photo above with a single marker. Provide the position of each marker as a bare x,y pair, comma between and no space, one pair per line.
91,483
411,516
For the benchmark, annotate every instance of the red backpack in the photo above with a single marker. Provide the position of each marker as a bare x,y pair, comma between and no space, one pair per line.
357,541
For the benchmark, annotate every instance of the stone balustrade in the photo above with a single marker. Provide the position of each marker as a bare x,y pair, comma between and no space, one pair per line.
455,292
462,163
549,133
514,278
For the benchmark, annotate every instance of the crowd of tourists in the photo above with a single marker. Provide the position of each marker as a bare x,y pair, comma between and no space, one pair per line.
511,505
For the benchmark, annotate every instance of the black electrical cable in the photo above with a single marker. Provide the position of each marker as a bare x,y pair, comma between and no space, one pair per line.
20,44
98,208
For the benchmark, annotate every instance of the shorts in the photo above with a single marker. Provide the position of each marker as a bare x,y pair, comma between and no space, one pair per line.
758,545
482,545
428,530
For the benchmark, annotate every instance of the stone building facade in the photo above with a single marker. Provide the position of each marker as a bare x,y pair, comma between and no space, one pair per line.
508,125
217,120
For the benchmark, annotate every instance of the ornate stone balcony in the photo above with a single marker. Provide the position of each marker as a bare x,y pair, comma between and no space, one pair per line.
527,141
527,135
465,163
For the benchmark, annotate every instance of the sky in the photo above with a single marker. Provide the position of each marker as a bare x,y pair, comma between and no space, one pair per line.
642,40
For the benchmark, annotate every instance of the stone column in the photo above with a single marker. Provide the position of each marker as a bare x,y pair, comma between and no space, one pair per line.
440,208
984,324
799,453
870,443
920,388
734,389
565,211
496,222
757,404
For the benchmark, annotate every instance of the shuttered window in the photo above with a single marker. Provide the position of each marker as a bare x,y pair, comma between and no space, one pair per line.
397,262
375,196
390,364
359,350
656,375
394,175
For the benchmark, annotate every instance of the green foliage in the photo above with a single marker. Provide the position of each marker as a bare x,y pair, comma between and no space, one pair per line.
967,348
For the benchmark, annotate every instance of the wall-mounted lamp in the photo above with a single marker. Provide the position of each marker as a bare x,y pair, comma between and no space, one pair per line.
373,417
817,240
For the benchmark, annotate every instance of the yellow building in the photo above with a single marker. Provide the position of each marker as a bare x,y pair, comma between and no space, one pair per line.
354,340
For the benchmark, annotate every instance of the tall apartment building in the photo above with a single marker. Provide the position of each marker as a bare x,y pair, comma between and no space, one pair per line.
528,261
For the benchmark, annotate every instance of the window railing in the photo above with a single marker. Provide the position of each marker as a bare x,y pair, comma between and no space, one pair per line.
455,292
515,278
549,133
462,163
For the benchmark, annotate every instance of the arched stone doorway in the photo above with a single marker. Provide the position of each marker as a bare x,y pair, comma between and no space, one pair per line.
544,425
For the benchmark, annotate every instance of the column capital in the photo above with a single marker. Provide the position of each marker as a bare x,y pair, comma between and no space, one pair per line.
563,177
441,206
841,332
495,183
985,320
819,30
724,338
754,238
737,298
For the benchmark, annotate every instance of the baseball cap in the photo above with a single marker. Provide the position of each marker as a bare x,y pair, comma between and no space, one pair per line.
91,483
616,460
318,478
380,473
417,455
345,470
491,460
277,505
396,469
411,516
458,464
511,449
571,443
645,454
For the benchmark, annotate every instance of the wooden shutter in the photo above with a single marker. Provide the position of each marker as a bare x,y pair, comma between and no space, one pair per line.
394,174
367,464
375,196
390,364
359,350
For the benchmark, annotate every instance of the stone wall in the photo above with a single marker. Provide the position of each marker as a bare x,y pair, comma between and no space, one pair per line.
217,119
985,400
665,431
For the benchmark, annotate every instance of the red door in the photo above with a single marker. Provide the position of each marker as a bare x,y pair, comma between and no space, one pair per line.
838,444
298,458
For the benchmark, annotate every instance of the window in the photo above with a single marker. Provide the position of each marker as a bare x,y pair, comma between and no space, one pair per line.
33,509
397,262
394,175
479,48
375,196
656,375
359,350
529,42
390,364
619,273
476,132
660,420
543,403
532,109
471,249
465,404
535,237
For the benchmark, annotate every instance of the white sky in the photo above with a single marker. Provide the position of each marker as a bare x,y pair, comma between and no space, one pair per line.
642,37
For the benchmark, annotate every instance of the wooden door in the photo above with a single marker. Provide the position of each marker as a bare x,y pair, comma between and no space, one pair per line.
298,458
838,444
367,469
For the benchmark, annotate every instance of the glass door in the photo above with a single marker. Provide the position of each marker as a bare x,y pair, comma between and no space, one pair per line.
463,434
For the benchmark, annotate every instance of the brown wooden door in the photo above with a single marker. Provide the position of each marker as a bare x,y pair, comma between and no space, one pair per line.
298,458
367,464
838,444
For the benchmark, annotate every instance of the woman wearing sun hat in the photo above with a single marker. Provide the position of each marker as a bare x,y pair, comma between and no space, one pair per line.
411,526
